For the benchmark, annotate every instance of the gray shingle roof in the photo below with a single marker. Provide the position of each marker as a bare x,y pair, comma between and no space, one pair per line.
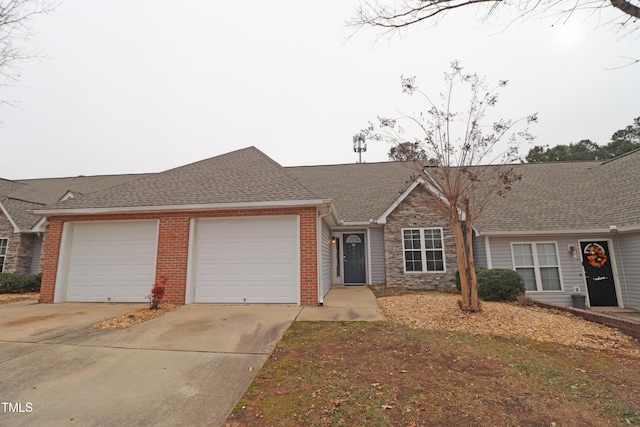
569,196
621,176
21,196
19,211
50,190
551,197
246,175
361,191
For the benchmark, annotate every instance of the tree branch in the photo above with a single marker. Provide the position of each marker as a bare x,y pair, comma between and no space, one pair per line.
626,7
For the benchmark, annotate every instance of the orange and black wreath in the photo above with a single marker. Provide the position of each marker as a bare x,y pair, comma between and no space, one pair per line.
596,256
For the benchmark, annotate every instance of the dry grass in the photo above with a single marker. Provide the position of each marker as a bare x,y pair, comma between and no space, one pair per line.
432,365
8,298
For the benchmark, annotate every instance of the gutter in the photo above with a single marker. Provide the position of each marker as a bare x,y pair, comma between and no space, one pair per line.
612,228
181,208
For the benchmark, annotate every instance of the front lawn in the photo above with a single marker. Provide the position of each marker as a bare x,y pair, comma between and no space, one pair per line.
389,374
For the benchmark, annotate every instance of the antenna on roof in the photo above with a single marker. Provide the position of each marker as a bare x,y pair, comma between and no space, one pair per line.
359,144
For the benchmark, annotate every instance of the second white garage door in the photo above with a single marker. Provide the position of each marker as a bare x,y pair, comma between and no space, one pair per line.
246,260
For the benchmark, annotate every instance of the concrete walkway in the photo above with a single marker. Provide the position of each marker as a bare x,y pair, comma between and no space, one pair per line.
345,303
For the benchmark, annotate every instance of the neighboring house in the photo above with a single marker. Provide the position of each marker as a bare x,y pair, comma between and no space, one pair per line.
21,231
240,228
569,228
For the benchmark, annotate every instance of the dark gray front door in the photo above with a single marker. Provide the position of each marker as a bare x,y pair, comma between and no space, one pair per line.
596,261
354,265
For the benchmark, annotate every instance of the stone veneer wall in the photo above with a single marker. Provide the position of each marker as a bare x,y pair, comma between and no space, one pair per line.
19,248
413,212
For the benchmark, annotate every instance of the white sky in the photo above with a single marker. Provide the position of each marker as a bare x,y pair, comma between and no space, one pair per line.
143,86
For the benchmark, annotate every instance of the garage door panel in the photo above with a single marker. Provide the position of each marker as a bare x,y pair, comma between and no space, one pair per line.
111,261
247,260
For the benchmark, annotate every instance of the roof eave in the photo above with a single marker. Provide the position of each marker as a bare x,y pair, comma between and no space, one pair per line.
16,229
181,208
602,230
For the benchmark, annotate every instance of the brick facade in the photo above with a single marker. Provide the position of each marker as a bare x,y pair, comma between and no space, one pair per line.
413,212
173,248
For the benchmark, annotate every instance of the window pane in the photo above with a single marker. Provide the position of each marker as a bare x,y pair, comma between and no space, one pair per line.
411,239
3,246
432,238
435,261
523,255
547,254
413,260
529,276
550,277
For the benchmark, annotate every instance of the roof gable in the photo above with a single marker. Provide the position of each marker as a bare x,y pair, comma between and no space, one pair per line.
361,191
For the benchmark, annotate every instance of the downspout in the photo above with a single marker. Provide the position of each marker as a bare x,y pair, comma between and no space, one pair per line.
487,249
368,279
319,256
624,274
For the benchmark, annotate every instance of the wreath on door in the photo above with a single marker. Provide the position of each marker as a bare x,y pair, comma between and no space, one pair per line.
596,255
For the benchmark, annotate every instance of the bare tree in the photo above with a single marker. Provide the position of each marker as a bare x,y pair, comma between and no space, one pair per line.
394,15
15,17
472,159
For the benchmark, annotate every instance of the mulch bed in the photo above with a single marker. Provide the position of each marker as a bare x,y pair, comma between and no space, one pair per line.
135,317
441,312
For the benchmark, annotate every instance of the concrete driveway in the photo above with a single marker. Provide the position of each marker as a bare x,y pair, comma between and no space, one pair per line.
189,367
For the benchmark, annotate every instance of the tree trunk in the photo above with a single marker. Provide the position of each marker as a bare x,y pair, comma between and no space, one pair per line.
456,226
471,267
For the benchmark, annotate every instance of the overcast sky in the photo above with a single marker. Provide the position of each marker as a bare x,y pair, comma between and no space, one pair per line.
143,86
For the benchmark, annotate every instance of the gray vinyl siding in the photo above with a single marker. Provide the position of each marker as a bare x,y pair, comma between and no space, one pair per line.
628,261
326,258
479,251
376,243
570,265
36,252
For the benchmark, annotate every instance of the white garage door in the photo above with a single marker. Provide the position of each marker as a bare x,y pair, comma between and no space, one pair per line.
247,260
111,261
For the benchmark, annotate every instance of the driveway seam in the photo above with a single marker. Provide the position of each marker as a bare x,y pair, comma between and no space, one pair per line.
154,349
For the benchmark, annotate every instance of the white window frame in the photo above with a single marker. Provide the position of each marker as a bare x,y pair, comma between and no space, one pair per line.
423,251
536,265
3,257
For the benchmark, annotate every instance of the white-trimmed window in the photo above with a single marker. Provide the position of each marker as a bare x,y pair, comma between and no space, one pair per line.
3,252
538,265
423,250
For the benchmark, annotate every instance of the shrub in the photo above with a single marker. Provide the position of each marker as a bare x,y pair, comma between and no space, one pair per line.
32,283
500,284
12,283
157,293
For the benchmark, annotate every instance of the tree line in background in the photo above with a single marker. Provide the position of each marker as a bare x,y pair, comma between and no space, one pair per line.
622,141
